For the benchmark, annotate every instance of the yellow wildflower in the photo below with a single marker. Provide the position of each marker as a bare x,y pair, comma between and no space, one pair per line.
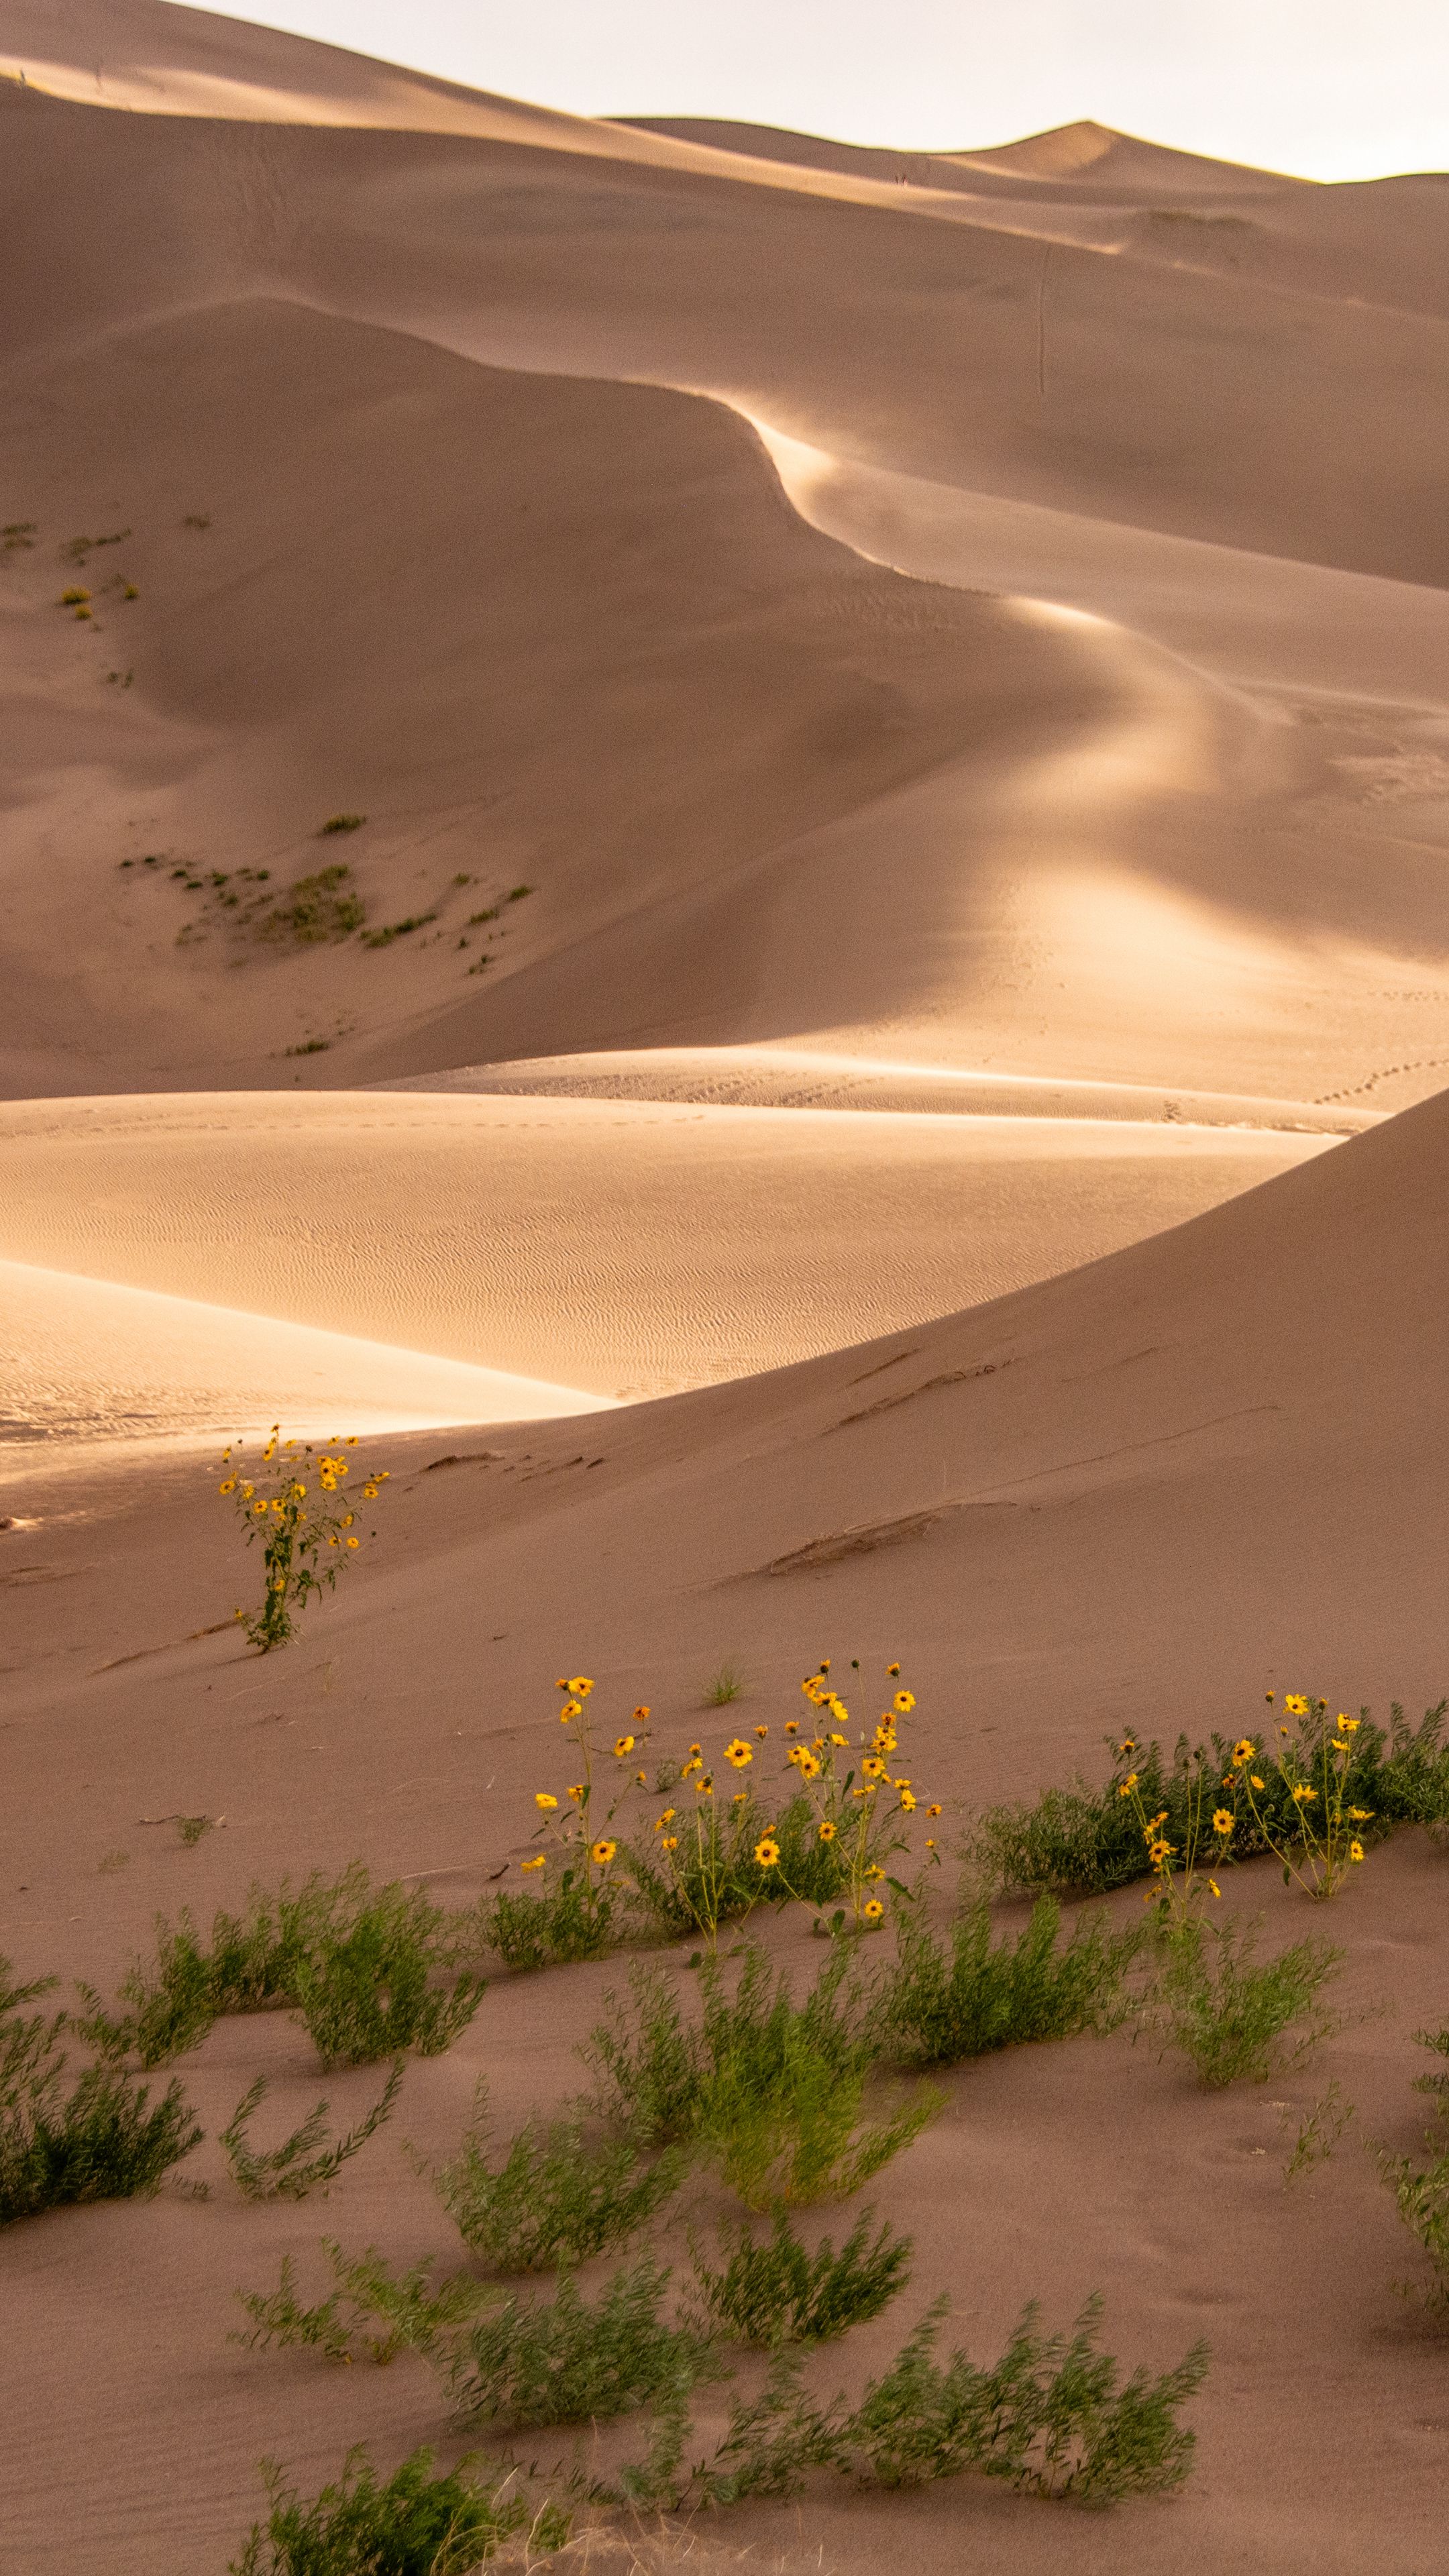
352,1542
602,1852
1223,1821
827,1831
767,1851
1255,1782
1355,1850
908,1800
739,1753
670,1843
873,1767
229,1487
536,1863
893,1671
1296,1704
872,1909
623,1744
541,1798
933,1811
1244,1750
903,1703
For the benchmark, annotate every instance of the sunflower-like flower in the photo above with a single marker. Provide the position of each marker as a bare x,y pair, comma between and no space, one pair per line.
767,1851
908,1800
1128,1785
538,1862
1223,1821
623,1744
826,1831
893,1672
805,1761
602,1852
933,1811
580,1686
229,1487
872,1909
1296,1704
1355,1849
739,1753
1302,1794
542,1799
903,1703
873,1767
666,1819
1244,1750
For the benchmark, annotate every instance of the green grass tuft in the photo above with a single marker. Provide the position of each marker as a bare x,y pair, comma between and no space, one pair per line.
411,2524
367,1993
551,2199
1230,2012
938,2006
777,2292
307,2160
565,2361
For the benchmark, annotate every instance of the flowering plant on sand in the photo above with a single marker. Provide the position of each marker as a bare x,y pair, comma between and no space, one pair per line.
1304,1771
295,1505
716,1851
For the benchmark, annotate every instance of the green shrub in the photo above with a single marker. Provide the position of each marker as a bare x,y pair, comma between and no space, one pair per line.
411,2310
1421,2185
938,2006
279,2317
558,1927
1232,2013
771,2092
104,2140
727,1686
251,1964
1049,2416
563,2361
411,2524
306,2159
1085,1840
323,906
777,2292
552,2199
341,823
367,1993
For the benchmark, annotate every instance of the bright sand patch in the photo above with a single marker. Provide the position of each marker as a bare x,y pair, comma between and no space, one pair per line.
630,1247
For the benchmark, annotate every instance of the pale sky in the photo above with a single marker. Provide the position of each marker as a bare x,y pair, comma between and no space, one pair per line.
1329,89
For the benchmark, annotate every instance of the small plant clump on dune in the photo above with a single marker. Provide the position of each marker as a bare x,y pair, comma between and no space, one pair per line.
323,906
779,2292
250,1964
414,2523
308,2159
569,2360
552,2198
103,2139
1236,2016
1319,1801
292,1506
367,1992
1420,2185
341,823
938,2006
771,2093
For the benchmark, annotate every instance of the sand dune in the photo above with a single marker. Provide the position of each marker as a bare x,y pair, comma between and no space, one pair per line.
805,1078
84,1361
887,723
628,1247
1132,1497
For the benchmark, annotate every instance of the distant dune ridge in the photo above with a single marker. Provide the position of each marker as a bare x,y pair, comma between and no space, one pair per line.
389,395
692,763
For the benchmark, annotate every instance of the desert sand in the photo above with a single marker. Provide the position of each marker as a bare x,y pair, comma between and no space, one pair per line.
866,1085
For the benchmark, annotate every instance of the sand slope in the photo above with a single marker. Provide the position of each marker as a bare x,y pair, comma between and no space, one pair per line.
1131,1497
